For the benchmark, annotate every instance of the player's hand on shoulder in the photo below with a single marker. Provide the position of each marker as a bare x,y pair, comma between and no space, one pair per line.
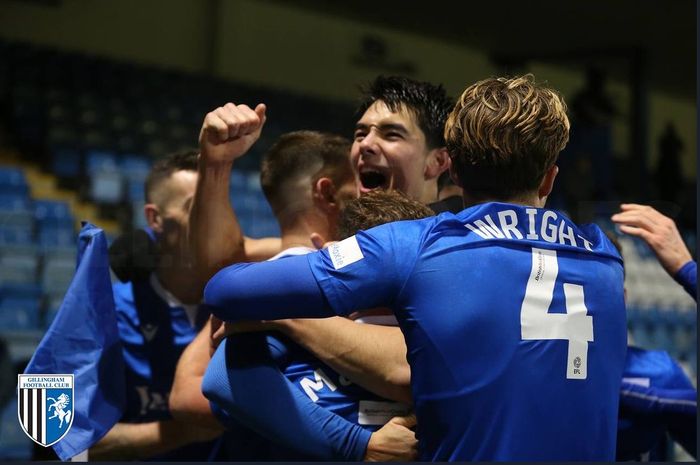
229,131
657,230
394,442
221,330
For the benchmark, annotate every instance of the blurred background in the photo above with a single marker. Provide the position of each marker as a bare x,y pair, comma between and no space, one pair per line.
92,92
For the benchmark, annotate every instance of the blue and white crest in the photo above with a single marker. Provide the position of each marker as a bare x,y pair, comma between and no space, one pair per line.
45,407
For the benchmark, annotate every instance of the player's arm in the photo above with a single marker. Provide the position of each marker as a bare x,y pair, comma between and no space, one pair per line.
363,271
661,234
135,441
187,402
372,356
215,235
268,290
245,380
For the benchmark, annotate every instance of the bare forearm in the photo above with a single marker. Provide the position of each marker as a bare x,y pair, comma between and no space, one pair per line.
370,355
134,441
187,403
216,238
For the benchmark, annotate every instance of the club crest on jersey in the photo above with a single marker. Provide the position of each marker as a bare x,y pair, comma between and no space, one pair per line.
45,407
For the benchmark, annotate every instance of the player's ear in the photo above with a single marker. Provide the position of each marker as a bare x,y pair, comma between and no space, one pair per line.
153,217
325,194
438,162
317,240
547,183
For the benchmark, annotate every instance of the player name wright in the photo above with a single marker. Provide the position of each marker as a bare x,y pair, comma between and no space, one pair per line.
548,227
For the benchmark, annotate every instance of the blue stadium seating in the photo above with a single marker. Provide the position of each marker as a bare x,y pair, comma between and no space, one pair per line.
106,187
13,181
58,269
20,307
18,264
55,223
97,160
66,162
14,444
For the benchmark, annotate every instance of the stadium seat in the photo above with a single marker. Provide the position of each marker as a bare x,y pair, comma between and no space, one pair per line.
98,160
58,270
14,444
134,167
19,308
52,305
106,187
52,209
55,223
18,264
66,162
13,181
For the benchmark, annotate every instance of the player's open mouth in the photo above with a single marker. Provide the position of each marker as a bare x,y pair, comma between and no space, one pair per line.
371,179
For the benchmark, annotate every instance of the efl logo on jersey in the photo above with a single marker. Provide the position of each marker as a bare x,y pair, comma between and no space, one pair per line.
45,407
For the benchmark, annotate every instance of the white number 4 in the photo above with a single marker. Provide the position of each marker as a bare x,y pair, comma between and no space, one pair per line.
575,326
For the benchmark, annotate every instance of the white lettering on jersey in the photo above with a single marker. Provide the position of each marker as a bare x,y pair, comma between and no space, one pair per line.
311,386
567,236
574,326
481,230
345,252
553,228
509,227
531,212
548,230
586,244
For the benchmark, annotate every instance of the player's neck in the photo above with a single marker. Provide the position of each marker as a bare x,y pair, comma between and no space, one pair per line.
298,233
430,193
296,240
532,200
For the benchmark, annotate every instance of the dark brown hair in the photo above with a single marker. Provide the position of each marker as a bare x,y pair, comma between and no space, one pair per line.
163,168
301,154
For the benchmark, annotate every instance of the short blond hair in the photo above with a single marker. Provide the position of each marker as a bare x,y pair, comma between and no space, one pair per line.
504,134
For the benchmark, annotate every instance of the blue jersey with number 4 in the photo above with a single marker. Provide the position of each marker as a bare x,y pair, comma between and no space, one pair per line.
515,325
513,316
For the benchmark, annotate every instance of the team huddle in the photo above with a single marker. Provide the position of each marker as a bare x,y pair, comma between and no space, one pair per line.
373,328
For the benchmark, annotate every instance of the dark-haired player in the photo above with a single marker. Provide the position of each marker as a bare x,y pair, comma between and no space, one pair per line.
303,408
513,316
399,142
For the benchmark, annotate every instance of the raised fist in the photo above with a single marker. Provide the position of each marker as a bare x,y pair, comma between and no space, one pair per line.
229,131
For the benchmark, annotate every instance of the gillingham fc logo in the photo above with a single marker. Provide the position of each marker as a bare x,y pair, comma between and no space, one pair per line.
577,362
45,407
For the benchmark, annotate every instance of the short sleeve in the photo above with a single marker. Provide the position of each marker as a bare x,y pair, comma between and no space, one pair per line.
369,269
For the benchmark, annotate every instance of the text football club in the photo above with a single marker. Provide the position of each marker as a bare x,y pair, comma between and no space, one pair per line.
45,407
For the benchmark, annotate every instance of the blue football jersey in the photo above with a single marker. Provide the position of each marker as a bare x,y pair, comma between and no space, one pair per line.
321,387
656,398
332,391
249,389
515,324
153,335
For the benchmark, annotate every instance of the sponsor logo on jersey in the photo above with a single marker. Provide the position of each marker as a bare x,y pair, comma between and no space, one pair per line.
149,331
345,252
